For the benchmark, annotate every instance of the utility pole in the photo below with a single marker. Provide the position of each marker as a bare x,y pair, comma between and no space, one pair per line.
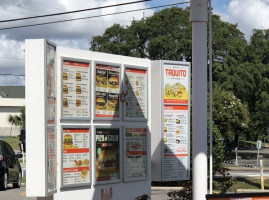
199,17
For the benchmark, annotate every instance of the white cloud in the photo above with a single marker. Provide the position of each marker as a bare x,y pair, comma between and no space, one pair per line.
249,14
75,34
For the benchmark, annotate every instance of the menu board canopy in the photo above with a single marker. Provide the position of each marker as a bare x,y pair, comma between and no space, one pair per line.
76,156
75,88
108,155
135,153
136,90
107,105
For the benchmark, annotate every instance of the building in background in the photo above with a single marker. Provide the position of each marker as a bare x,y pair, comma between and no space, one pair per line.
12,99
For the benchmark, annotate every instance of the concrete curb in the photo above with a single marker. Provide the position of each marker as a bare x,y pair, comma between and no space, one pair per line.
166,188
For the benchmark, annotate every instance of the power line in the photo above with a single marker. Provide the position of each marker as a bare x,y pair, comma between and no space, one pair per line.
74,19
11,58
74,11
12,74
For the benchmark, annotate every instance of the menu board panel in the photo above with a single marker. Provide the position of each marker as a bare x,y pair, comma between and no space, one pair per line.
76,89
135,154
107,89
107,155
176,143
51,120
136,88
76,157
176,84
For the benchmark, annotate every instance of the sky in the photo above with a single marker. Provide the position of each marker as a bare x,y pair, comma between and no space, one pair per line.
247,14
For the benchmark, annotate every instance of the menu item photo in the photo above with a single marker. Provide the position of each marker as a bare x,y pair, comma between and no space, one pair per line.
107,154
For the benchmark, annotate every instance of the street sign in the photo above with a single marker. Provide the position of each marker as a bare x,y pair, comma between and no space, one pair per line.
259,144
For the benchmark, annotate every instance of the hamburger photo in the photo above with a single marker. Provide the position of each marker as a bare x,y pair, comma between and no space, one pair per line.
68,141
112,105
65,89
106,162
78,102
101,81
100,103
78,89
78,77
65,102
113,82
65,76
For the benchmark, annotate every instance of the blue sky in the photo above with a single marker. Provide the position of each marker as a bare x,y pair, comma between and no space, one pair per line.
248,14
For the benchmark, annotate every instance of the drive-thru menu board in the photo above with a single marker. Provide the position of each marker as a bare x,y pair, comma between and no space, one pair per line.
107,89
135,154
107,155
136,84
76,89
76,157
51,118
176,142
176,84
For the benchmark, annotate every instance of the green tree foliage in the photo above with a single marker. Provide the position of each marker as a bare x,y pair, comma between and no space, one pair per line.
18,120
240,69
165,35
229,113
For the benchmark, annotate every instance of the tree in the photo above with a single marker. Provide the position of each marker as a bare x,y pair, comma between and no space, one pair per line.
229,113
17,120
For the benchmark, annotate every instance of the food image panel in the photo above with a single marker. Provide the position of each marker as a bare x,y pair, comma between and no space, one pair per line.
176,84
136,106
107,91
101,101
135,159
101,78
107,154
76,156
76,89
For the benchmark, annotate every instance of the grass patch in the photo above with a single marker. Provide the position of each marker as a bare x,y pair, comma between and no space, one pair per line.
242,183
13,142
23,179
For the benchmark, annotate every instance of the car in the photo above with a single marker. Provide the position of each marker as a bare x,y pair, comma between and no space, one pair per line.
10,168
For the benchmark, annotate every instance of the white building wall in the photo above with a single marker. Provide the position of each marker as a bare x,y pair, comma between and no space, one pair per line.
8,107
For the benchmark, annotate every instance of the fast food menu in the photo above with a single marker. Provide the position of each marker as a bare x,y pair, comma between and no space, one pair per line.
107,154
136,93
135,163
176,84
76,156
76,86
176,142
107,91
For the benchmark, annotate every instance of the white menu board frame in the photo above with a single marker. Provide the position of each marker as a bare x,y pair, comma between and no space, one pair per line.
89,88
147,96
126,179
120,155
188,67
119,66
89,158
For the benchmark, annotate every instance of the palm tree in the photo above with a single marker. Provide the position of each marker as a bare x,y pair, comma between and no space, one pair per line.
17,120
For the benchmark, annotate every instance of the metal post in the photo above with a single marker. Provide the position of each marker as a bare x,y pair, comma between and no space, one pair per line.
211,99
258,157
262,180
198,17
236,161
